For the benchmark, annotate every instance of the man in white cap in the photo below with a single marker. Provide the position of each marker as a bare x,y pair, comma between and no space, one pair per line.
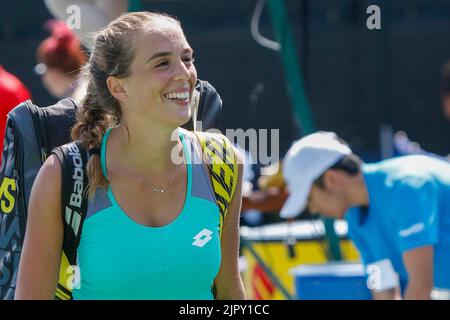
397,210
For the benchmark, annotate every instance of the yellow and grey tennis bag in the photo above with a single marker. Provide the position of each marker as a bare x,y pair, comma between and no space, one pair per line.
31,133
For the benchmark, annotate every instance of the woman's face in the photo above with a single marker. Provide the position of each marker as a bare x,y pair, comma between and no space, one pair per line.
162,76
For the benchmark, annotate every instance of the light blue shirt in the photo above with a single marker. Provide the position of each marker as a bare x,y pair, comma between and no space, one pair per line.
121,259
409,208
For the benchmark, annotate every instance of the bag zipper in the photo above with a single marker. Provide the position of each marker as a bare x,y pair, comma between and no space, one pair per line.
36,115
45,143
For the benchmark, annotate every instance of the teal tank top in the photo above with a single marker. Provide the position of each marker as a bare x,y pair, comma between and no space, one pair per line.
121,259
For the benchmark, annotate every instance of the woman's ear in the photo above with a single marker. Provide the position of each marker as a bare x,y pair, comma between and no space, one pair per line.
116,88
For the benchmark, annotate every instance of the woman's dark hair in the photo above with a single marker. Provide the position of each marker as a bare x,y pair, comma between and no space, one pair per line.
112,55
350,164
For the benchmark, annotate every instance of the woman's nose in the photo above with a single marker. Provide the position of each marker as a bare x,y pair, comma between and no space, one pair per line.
183,71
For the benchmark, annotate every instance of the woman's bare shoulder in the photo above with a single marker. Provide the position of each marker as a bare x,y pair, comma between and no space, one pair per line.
47,185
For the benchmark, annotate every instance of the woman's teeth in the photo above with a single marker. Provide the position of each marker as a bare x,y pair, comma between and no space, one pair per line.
178,95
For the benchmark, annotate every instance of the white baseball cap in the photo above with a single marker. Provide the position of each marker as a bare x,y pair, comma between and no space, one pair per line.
306,160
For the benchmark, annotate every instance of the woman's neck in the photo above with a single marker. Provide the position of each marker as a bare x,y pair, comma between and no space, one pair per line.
148,146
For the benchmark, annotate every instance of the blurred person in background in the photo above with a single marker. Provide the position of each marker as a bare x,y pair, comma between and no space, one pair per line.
397,211
94,14
12,92
60,59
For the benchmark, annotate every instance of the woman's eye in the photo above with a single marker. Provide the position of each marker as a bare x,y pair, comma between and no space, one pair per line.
162,64
189,59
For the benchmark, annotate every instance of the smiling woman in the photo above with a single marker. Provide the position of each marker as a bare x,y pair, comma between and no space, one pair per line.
151,228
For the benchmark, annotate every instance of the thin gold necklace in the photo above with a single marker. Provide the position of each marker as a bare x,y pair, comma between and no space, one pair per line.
147,182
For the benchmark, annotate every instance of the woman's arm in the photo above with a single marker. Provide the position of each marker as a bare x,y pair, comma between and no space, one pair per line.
41,253
228,281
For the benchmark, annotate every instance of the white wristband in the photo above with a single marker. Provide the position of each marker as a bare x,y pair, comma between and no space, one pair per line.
381,276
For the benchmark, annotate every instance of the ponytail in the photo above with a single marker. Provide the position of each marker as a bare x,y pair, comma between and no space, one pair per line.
92,123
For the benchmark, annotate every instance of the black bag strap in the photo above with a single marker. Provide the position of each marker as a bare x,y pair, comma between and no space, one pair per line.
73,158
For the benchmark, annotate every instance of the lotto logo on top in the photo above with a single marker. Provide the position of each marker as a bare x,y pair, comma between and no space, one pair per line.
202,238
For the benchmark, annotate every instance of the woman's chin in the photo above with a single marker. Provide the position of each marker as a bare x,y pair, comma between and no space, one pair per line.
181,118
179,114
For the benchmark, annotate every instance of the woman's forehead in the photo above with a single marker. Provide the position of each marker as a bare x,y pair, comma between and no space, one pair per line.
154,41
163,34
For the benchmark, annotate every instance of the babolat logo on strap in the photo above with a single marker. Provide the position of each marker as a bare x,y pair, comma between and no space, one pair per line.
73,209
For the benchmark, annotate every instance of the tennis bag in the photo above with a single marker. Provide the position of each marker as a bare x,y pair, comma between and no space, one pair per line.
31,135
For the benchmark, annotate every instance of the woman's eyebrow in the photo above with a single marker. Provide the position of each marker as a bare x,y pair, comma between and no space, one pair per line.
166,53
158,55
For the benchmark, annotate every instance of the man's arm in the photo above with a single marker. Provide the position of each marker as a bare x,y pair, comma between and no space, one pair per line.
417,208
419,265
